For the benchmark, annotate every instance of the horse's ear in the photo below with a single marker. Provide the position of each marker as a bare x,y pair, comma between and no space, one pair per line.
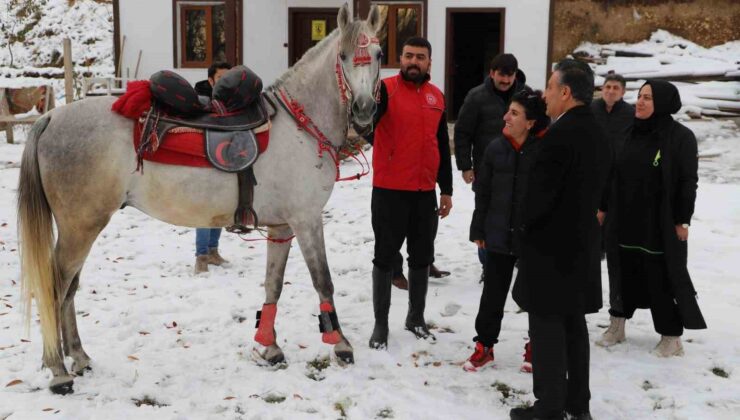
374,20
344,18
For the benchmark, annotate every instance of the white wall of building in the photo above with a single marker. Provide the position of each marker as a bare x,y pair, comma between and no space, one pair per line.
266,33
147,26
526,34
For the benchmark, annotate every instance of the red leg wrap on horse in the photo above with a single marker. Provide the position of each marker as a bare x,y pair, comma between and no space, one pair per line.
331,337
266,331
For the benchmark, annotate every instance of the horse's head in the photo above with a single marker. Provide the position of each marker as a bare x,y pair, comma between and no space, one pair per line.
358,66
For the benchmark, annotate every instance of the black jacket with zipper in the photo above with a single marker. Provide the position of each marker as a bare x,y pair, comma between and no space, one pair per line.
501,183
480,120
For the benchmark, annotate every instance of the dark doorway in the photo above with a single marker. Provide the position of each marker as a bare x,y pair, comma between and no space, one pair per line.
474,37
307,27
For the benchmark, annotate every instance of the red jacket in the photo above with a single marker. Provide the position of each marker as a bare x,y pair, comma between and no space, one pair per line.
405,150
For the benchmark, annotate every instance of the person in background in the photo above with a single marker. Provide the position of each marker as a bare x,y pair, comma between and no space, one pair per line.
611,111
215,71
559,280
651,205
616,118
501,183
480,119
411,154
206,239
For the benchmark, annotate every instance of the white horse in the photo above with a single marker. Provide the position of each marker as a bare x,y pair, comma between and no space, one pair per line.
79,164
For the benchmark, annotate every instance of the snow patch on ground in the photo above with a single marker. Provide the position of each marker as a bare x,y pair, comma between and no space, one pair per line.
136,285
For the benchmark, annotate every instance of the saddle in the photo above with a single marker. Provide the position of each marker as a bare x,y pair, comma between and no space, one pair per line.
228,119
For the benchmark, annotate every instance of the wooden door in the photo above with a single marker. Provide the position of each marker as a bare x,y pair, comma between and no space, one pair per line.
307,27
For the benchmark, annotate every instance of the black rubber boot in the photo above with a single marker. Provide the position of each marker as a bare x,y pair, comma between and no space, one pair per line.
418,283
381,306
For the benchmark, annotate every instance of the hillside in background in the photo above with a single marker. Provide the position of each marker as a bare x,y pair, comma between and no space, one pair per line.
32,32
705,22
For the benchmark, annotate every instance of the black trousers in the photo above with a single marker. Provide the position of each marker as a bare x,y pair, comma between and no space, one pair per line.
560,364
398,262
404,215
645,284
496,283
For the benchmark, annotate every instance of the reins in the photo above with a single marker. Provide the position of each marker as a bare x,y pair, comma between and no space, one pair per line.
297,111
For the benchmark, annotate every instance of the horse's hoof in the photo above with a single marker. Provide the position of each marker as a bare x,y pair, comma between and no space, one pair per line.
80,371
61,385
345,357
271,356
276,359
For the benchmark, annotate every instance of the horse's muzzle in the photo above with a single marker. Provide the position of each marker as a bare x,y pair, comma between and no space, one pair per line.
362,129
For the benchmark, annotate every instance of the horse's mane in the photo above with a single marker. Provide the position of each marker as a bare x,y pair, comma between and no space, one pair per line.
348,42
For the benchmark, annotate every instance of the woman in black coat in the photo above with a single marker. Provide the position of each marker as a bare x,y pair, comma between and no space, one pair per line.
500,187
651,203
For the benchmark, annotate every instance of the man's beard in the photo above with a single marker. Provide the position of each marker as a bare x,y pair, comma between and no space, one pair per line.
420,76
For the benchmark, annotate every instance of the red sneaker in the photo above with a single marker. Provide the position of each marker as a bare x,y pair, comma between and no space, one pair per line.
481,356
527,365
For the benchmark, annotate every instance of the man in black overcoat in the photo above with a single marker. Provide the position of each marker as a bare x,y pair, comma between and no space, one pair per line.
557,283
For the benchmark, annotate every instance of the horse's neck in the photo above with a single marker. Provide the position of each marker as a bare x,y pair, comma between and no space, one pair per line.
314,85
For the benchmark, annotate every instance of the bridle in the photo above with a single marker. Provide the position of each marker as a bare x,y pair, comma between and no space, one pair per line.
361,58
296,110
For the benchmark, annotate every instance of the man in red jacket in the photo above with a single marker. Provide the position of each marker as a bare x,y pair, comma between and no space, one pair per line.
411,153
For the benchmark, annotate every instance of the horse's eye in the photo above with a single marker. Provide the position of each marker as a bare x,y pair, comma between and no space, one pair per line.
342,56
379,55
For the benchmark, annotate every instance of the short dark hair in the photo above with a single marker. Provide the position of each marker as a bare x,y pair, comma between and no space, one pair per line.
579,77
505,63
417,41
534,108
614,77
219,65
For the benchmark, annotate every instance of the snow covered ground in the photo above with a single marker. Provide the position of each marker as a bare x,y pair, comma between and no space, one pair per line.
39,45
137,284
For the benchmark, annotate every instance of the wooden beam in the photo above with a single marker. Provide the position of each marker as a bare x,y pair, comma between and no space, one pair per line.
363,8
550,32
116,37
68,71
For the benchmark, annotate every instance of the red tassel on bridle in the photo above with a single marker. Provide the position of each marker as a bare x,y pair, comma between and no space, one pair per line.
362,56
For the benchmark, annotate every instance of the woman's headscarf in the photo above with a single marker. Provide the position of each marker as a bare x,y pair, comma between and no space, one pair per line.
666,101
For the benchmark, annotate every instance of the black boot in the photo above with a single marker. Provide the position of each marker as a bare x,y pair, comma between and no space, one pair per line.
381,306
527,413
418,282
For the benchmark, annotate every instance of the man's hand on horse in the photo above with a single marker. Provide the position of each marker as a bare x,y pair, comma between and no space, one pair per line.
445,205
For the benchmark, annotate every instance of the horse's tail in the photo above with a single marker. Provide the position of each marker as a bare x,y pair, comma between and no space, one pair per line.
39,271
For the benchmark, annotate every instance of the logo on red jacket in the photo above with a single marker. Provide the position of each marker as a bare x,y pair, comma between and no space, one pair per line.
431,100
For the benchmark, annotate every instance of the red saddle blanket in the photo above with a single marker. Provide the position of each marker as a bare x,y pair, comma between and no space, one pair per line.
183,147
186,148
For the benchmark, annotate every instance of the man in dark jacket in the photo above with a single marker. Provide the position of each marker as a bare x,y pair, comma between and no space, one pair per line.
611,111
215,71
206,239
616,118
556,284
411,153
481,117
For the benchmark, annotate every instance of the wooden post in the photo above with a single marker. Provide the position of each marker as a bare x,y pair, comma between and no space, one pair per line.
68,71
5,111
138,61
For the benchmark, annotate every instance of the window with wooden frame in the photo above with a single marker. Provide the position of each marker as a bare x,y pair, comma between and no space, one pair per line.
401,21
206,32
